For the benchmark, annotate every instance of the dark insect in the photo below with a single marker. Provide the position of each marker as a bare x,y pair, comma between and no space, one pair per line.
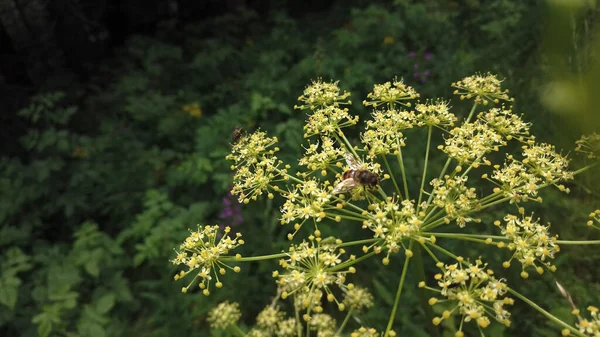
237,134
357,175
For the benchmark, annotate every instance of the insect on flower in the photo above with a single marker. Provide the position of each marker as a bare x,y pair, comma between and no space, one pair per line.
237,134
356,176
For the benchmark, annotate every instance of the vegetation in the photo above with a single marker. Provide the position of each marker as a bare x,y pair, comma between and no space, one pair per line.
109,175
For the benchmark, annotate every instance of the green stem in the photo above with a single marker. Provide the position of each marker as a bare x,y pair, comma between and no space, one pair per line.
298,322
358,242
387,165
401,162
454,235
421,191
351,262
339,332
236,329
585,242
398,293
252,258
545,313
420,275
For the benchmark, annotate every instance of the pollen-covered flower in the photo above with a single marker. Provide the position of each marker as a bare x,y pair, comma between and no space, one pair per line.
542,160
224,314
268,318
455,198
312,266
305,201
328,121
393,222
476,295
390,93
506,123
434,113
365,332
357,298
594,219
483,88
470,142
531,242
589,144
202,253
256,165
383,133
321,94
321,156
287,328
513,180
589,327
323,324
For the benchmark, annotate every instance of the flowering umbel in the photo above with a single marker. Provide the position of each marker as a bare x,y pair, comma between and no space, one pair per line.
224,315
202,253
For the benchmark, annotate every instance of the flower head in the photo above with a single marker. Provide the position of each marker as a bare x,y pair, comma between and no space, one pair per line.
357,298
504,122
224,314
311,266
383,133
365,332
589,327
323,324
434,113
470,142
320,156
531,242
455,198
483,88
390,93
322,94
589,144
268,319
475,293
203,254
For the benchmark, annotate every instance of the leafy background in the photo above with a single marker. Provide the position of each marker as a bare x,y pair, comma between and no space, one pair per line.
101,175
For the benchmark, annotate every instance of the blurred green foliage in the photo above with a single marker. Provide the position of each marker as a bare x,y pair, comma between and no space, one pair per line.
103,188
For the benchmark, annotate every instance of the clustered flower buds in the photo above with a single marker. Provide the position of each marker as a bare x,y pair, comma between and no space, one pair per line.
202,253
594,219
589,144
589,327
476,294
482,88
530,241
390,93
224,315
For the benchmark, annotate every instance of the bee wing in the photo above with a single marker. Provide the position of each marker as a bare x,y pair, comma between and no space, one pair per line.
352,162
344,186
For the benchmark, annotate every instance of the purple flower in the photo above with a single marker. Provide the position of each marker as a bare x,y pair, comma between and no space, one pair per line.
426,73
411,54
427,55
231,212
416,74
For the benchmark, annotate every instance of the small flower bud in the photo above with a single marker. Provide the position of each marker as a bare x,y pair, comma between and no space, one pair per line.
422,284
433,301
524,274
436,321
385,261
565,332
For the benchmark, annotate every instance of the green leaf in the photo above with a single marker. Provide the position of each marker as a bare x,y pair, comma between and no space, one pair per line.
45,328
96,330
92,268
9,286
105,303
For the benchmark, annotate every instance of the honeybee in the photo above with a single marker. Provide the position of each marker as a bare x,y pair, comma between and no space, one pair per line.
357,175
237,134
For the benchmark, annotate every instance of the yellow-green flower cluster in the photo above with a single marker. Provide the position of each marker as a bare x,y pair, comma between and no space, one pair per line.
321,94
470,142
509,125
530,241
390,93
477,295
202,253
594,219
589,327
357,298
513,180
482,88
224,315
304,202
321,157
455,198
434,114
589,144
255,165
311,266
393,222
273,322
323,324
543,161
383,133
268,318
367,332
